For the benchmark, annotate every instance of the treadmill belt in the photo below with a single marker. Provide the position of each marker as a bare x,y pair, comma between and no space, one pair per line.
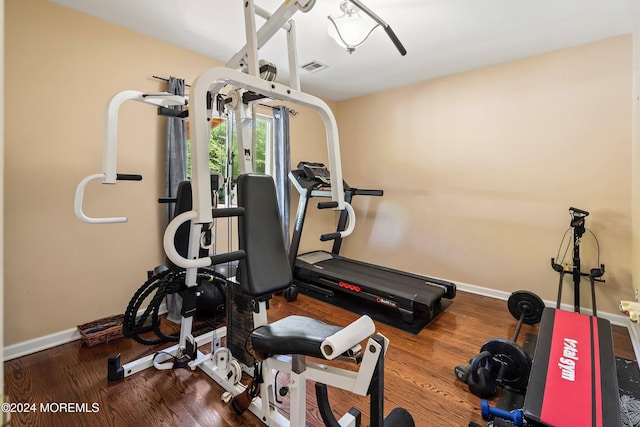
380,278
397,298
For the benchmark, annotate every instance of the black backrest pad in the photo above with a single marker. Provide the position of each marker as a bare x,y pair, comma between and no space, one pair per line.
265,270
184,203
181,240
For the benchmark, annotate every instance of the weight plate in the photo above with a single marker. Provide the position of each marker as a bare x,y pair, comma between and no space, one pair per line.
512,360
527,303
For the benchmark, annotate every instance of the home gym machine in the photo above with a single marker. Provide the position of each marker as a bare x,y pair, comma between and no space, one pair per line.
577,228
264,270
413,296
502,362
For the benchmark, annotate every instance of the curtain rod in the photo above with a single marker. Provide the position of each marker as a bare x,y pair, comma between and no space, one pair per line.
166,80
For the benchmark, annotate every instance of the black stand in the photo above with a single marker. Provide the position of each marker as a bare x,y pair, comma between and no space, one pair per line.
577,223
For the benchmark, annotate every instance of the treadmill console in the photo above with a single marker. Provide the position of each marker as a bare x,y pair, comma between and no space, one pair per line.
316,172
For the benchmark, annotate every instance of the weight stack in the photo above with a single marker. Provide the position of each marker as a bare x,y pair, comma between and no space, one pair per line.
239,324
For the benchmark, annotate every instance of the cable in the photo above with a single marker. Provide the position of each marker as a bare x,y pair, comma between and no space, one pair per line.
561,261
560,247
597,245
176,361
164,283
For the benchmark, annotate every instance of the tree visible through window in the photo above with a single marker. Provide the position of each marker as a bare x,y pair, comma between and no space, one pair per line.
218,155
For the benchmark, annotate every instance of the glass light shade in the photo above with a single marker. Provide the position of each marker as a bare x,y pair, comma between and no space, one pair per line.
350,30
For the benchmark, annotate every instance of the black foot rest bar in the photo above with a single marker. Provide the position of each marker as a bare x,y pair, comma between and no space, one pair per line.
573,378
398,417
325,409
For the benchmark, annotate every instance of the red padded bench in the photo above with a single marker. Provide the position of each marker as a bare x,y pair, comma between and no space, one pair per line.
573,379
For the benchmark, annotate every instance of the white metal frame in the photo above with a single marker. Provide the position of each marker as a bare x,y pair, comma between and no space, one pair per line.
110,146
218,363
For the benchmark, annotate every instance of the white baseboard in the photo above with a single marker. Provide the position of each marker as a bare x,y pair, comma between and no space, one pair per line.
485,292
615,319
49,341
43,343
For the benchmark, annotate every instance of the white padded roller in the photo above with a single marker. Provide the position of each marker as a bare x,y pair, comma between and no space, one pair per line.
347,337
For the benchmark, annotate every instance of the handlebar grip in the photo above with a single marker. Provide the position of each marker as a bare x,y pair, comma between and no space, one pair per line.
395,40
378,193
329,236
227,257
128,177
170,112
327,205
339,234
226,212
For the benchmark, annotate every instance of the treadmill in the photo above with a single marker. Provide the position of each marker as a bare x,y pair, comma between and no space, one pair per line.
327,273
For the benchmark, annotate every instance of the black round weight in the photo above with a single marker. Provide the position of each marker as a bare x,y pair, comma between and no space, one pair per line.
512,360
528,304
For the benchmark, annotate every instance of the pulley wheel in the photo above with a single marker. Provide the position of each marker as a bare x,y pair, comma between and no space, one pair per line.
517,363
527,303
308,6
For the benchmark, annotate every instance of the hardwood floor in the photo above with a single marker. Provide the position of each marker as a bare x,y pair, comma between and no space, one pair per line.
418,375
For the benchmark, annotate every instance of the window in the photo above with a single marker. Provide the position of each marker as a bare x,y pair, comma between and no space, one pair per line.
218,148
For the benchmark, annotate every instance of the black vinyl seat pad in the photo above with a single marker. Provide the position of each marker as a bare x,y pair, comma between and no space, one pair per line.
292,335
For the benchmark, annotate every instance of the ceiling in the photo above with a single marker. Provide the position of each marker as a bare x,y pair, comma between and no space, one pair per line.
442,37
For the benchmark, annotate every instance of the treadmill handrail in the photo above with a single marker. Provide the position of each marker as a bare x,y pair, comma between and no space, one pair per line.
345,233
326,192
367,192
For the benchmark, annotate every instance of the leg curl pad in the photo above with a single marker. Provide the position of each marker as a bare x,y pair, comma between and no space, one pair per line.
348,337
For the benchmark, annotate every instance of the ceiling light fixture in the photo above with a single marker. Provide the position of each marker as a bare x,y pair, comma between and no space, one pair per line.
351,29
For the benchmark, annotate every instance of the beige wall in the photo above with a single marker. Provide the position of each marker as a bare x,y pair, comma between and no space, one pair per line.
479,170
62,67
